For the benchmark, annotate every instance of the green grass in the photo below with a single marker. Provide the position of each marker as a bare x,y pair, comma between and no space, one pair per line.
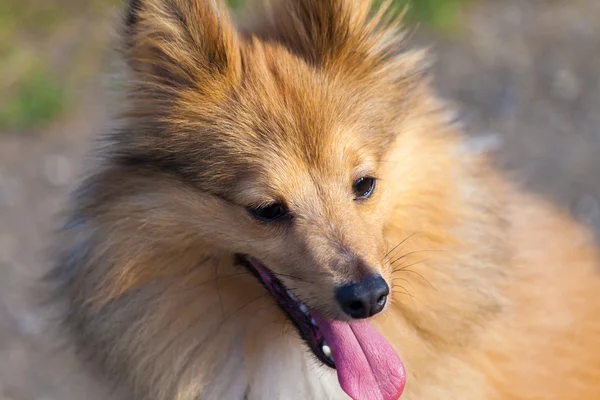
31,93
35,100
235,3
43,59
437,14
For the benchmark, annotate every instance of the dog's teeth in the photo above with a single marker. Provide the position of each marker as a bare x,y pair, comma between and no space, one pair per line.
291,295
313,322
326,350
304,309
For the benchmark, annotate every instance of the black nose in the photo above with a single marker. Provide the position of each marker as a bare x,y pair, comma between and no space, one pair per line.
363,299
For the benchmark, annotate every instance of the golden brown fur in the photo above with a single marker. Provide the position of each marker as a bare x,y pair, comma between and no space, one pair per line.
496,294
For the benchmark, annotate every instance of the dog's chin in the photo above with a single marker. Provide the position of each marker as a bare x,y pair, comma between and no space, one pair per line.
301,316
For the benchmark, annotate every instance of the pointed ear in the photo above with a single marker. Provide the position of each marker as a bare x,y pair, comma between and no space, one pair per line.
180,43
344,36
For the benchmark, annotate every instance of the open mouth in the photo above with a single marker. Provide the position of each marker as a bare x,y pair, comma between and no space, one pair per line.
367,366
304,320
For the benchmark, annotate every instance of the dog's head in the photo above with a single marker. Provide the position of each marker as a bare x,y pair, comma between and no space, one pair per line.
286,129
270,144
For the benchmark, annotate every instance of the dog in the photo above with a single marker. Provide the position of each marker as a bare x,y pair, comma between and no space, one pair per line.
287,211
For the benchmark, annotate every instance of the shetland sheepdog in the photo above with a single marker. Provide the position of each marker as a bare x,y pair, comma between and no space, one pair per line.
286,211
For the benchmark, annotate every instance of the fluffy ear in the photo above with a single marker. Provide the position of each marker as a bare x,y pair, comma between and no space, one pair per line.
346,36
181,43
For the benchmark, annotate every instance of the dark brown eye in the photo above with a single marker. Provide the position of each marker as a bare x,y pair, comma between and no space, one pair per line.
269,213
363,188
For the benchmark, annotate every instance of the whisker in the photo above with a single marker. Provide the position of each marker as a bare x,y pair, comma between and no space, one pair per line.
242,307
215,280
400,244
405,269
398,269
421,276
412,252
291,277
402,279
405,292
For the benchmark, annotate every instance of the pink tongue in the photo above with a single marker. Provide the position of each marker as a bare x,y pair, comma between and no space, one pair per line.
368,368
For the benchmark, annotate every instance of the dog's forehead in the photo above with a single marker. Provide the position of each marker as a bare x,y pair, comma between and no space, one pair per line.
285,119
284,141
290,109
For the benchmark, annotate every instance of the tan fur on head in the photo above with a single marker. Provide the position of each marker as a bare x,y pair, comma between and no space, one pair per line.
212,109
307,97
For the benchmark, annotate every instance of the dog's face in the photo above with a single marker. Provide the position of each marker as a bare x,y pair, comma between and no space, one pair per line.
281,137
302,172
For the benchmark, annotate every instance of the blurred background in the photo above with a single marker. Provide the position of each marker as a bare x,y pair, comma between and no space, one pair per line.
524,73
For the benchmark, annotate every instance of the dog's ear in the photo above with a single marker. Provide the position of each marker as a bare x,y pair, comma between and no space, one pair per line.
180,43
343,36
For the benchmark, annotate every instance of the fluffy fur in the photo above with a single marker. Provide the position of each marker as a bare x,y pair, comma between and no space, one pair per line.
496,294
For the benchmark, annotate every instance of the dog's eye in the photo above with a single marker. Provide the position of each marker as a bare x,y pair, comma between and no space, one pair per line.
363,187
271,212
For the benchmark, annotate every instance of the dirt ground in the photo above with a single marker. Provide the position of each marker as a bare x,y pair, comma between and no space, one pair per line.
525,74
